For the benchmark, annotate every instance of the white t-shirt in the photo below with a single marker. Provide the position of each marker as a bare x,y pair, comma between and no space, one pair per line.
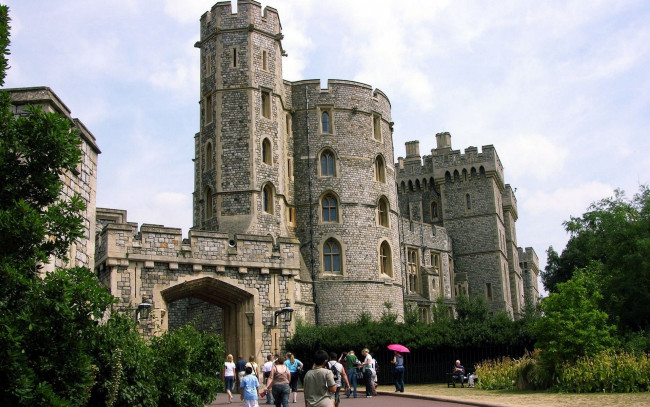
339,367
268,366
230,369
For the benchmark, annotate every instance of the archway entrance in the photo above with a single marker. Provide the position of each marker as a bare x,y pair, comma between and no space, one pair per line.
219,306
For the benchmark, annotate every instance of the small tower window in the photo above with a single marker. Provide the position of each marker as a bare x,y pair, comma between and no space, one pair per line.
468,202
380,171
376,127
268,199
332,257
329,206
382,212
234,58
266,104
326,121
413,270
488,291
435,260
434,210
385,259
327,164
265,61
290,168
288,124
208,109
266,152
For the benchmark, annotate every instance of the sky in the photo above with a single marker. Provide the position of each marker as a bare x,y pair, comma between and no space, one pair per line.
560,88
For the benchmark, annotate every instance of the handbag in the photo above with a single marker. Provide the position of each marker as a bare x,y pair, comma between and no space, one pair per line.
359,374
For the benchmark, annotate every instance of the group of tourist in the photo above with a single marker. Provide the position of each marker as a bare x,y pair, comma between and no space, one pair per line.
280,375
278,372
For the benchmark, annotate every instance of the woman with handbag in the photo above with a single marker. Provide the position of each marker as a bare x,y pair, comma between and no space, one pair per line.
295,368
278,382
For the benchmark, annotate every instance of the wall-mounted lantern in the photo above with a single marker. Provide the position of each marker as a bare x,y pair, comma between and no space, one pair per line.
287,311
143,310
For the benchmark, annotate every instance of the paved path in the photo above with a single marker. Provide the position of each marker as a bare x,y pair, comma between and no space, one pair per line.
382,400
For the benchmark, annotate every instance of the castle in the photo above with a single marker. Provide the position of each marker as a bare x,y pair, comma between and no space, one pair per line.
302,212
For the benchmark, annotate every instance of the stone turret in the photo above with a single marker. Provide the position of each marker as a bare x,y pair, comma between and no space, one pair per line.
241,172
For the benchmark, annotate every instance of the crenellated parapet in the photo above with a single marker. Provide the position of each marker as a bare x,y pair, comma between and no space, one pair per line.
249,16
453,166
122,244
353,97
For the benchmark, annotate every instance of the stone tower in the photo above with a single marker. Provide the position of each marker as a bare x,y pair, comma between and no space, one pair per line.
241,172
346,201
472,188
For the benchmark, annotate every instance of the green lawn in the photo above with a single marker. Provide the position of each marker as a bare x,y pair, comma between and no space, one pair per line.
527,398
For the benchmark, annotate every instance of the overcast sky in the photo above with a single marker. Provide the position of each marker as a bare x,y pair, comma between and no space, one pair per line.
560,88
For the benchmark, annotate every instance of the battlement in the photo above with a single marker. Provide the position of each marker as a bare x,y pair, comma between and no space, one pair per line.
249,15
343,94
122,243
528,255
447,163
510,200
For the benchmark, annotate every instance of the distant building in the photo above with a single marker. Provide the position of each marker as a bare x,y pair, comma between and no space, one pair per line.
82,180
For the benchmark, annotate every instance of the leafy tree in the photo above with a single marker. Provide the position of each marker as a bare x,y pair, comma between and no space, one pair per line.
616,232
572,325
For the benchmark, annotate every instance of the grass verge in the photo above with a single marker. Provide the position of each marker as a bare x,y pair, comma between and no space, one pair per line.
529,398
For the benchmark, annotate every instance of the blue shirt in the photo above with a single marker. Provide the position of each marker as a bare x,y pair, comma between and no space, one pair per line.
250,384
293,367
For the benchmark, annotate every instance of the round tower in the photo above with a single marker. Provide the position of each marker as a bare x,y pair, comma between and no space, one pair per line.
346,201
241,176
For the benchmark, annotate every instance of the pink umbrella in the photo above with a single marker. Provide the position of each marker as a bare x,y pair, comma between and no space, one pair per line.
399,348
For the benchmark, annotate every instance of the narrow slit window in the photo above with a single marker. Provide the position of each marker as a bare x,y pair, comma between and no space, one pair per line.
265,61
266,104
208,109
326,124
234,57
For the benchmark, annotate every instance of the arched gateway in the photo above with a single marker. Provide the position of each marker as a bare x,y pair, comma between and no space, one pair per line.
230,284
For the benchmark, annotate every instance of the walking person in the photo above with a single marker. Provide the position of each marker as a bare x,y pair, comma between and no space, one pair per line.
319,382
249,389
295,368
340,377
240,368
351,363
278,382
229,376
398,371
266,372
367,372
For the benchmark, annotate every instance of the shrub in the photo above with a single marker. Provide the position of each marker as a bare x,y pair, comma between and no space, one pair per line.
499,374
607,371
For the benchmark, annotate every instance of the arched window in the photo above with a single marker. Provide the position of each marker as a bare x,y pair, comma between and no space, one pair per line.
380,170
413,270
267,199
481,171
329,208
473,172
327,164
447,176
382,212
266,152
208,156
385,259
410,185
403,187
464,175
417,185
325,122
434,210
332,257
208,203
468,202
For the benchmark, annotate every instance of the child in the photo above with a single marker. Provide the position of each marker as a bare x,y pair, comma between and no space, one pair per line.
249,388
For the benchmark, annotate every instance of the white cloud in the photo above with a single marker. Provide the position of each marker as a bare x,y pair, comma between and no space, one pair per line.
564,201
532,155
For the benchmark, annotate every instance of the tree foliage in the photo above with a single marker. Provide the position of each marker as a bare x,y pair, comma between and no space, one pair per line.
54,350
572,325
615,232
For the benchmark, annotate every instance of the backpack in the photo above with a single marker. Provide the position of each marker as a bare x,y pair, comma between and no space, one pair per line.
335,371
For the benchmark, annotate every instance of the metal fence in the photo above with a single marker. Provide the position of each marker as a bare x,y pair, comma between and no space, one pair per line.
431,366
